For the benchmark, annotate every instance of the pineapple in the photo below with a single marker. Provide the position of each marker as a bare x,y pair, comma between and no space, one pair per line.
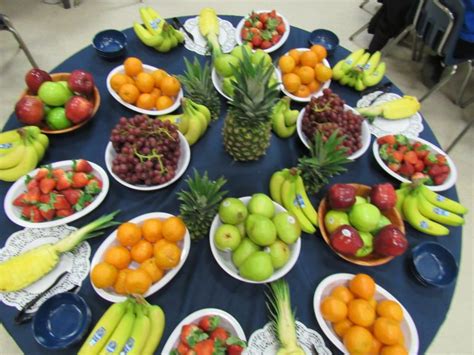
198,84
199,205
247,126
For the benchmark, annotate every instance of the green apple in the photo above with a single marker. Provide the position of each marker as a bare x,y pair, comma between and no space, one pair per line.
257,267
227,237
280,254
359,200
56,119
368,246
260,55
225,63
364,217
243,251
334,219
53,93
287,226
261,204
383,221
66,86
261,230
238,51
232,211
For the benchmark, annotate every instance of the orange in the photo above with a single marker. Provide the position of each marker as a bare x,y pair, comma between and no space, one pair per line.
320,51
152,269
309,58
394,350
286,64
170,86
158,75
342,327
141,251
295,54
292,82
117,80
342,292
387,331
306,74
117,256
314,86
129,93
119,285
133,66
363,286
390,309
137,281
128,234
159,243
303,91
358,340
333,309
174,229
322,72
146,101
151,229
145,82
155,93
103,275
163,102
360,312
167,255
376,346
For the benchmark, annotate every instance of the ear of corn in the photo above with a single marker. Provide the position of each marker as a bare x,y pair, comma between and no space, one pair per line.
209,28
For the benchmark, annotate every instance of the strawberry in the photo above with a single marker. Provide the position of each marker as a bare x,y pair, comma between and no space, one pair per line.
19,201
32,196
435,170
422,153
61,203
81,166
430,159
418,176
192,334
273,14
394,166
35,215
402,149
182,349
388,139
254,31
72,195
419,165
64,182
79,180
210,347
441,159
64,213
209,323
42,172
256,41
445,169
266,44
47,211
245,34
440,179
247,23
235,346
406,169
47,184
220,333
410,157
275,38
397,156
31,183
26,212
58,173
259,25
94,186
263,17
281,28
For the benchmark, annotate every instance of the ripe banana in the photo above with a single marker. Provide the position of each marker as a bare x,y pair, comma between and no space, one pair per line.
418,221
276,182
374,60
180,120
152,23
121,333
343,66
146,37
376,76
201,108
28,162
401,194
39,149
140,332
157,320
6,148
282,126
194,131
442,202
9,136
437,214
165,45
288,198
43,139
304,202
13,158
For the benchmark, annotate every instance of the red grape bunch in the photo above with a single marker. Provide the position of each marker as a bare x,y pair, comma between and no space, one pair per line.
326,114
147,150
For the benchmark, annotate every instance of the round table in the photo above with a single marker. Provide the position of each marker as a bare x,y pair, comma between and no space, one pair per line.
202,283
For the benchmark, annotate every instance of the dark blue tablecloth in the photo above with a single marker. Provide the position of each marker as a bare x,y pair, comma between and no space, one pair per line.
202,283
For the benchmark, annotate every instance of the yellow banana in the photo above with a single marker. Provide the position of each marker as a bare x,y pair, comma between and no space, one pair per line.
437,214
288,198
32,131
401,194
194,131
165,45
157,320
6,148
140,332
179,35
276,181
40,150
9,136
27,163
172,37
151,23
201,108
370,66
103,329
418,221
44,140
442,202
153,14
343,66
180,120
13,158
146,37
304,202
121,333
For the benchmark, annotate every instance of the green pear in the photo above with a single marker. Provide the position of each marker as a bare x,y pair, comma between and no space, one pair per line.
259,55
333,219
261,230
287,226
280,254
383,221
359,200
227,237
66,86
261,204
232,211
224,64
238,51
364,217
243,251
368,246
257,267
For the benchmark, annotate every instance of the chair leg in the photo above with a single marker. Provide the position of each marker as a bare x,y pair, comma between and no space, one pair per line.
464,83
396,40
442,82
467,103
360,30
20,41
460,135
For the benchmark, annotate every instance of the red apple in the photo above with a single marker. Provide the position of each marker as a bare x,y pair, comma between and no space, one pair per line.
34,78
341,196
346,240
78,109
81,82
29,110
390,241
383,196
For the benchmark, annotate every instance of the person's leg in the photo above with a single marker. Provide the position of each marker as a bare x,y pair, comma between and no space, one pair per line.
464,50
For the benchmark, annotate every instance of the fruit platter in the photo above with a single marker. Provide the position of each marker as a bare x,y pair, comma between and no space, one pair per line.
56,194
406,158
140,257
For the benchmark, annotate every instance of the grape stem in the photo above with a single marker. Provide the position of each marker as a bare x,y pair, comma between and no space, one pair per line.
153,154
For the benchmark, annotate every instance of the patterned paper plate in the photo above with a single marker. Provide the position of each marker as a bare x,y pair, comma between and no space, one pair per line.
226,36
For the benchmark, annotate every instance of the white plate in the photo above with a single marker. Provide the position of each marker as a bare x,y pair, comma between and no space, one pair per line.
450,181
76,262
240,25
324,289
410,126
316,94
355,155
199,45
146,69
224,259
183,163
111,240
228,322
14,213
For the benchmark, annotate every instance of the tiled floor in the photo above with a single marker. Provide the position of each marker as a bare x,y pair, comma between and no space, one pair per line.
53,34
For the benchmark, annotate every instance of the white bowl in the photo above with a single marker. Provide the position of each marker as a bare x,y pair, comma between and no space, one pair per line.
282,40
449,182
183,163
228,322
325,85
146,69
353,156
224,258
111,240
14,213
324,289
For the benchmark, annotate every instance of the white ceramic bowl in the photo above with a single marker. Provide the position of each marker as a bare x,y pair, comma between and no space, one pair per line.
111,240
146,69
353,156
324,289
450,181
325,85
224,258
183,163
14,213
228,322
240,25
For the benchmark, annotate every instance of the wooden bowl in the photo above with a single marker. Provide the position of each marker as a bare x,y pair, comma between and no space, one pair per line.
95,102
372,259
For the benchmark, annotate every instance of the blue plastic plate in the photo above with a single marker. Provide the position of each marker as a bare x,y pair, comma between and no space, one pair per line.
326,38
110,43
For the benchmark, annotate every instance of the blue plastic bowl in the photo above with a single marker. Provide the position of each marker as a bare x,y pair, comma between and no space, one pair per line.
325,38
110,44
434,265
61,321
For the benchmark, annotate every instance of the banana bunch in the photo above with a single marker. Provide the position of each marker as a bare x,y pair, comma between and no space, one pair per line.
193,122
130,327
156,32
287,188
360,70
284,119
427,211
20,151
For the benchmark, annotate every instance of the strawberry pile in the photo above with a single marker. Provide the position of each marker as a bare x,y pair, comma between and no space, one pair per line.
413,160
207,337
263,30
56,193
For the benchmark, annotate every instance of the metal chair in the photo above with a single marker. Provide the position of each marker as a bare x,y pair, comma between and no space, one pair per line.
5,24
360,30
